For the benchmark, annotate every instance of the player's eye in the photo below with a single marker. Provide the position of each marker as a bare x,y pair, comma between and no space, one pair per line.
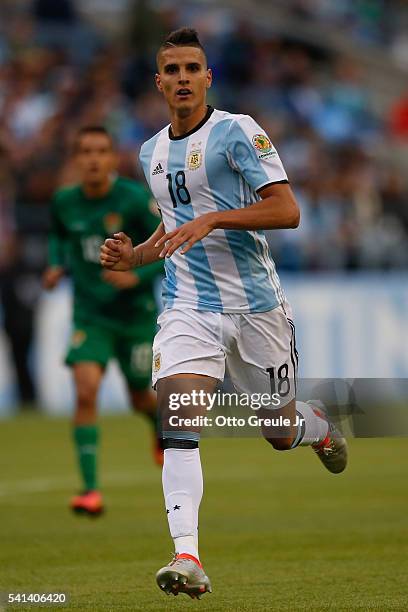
193,67
170,69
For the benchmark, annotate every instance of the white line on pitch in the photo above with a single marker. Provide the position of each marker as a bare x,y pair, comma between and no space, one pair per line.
42,485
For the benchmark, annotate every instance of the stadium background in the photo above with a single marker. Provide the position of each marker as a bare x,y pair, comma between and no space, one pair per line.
328,80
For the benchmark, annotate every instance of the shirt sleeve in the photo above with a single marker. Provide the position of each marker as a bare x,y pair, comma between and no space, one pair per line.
251,153
57,239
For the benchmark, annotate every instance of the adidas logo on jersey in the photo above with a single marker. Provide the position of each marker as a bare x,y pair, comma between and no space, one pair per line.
158,170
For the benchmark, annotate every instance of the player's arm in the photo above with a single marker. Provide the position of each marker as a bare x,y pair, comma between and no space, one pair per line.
56,251
278,209
119,254
148,220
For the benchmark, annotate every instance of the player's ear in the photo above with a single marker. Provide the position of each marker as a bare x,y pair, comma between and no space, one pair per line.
158,82
209,77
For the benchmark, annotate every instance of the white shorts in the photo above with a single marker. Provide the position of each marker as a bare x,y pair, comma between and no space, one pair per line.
257,350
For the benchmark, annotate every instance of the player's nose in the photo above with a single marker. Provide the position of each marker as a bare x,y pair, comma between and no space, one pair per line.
183,77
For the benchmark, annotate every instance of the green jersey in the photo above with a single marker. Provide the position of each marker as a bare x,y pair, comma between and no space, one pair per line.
79,227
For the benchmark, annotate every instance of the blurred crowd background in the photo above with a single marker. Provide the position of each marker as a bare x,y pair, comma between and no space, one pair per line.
328,80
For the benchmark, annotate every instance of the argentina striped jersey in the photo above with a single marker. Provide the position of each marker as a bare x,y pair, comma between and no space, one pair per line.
219,165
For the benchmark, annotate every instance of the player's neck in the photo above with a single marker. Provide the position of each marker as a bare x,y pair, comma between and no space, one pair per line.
97,190
181,124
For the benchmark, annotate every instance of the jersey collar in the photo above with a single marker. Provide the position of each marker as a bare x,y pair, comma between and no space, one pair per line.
204,120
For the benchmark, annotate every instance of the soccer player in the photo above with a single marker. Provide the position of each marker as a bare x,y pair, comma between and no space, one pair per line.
114,313
219,183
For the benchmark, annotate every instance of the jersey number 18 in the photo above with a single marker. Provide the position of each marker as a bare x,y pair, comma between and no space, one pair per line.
182,195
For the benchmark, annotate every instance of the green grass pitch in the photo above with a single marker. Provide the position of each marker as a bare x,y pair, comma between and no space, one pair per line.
277,531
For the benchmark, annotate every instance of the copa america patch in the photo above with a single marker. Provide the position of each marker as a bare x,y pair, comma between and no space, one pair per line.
262,143
264,146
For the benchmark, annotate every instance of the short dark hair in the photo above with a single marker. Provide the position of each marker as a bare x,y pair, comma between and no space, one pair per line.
92,129
183,37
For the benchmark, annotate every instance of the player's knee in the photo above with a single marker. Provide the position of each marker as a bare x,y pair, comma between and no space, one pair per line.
280,444
86,396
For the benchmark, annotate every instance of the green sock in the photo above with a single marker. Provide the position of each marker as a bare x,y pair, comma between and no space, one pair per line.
86,438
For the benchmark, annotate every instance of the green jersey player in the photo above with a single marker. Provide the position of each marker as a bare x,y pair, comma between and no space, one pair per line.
114,313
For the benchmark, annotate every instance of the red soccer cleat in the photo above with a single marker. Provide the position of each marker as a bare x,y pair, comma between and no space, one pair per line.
332,451
89,503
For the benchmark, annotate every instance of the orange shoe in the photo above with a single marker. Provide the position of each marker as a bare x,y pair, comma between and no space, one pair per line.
88,503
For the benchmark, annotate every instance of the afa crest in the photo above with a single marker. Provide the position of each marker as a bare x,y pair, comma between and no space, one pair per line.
195,159
113,222
157,362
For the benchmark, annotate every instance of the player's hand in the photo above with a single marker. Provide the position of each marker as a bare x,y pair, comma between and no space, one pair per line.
117,253
120,280
187,235
52,276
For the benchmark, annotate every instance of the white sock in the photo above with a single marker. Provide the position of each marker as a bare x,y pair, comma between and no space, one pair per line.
313,429
183,489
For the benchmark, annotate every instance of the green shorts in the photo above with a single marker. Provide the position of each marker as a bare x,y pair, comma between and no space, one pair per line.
133,349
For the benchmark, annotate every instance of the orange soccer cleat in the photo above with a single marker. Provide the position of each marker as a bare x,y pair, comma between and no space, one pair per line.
89,503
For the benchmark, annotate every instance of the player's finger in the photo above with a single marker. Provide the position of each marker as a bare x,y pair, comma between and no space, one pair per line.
114,251
122,237
111,243
166,247
162,242
167,237
188,246
109,256
108,262
173,244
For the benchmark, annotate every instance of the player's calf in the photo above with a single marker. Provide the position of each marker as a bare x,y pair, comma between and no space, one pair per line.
281,435
182,481
280,444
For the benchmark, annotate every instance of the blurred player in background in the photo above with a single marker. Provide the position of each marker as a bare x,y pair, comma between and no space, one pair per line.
219,183
19,286
114,312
